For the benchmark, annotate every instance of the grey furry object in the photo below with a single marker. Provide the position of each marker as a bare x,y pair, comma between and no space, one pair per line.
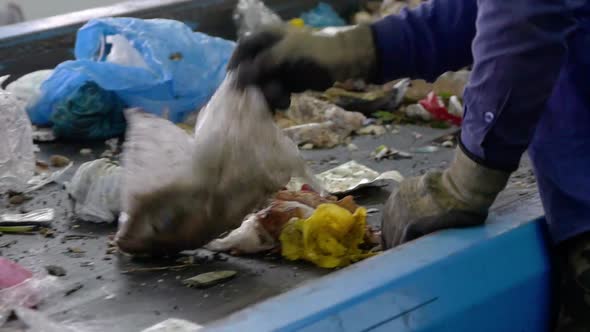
11,13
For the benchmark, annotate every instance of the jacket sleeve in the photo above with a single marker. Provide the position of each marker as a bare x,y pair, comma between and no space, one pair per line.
518,52
426,41
517,49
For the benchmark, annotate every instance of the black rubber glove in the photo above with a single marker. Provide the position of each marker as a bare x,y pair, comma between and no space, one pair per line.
284,59
458,197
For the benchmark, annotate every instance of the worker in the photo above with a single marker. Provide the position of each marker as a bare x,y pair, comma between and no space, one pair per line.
529,88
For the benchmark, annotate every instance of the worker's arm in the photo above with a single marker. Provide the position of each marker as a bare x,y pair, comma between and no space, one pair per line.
517,52
426,41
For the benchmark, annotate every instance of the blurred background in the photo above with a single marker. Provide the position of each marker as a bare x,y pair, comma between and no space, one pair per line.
35,9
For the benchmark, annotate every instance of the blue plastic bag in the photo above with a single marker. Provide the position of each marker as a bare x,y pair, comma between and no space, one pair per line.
322,16
159,65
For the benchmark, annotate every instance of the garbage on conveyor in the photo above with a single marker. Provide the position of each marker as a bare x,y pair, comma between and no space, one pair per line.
348,177
40,217
251,15
369,98
209,279
194,188
262,231
329,238
90,112
27,88
95,190
41,179
322,16
17,159
173,325
434,104
447,84
310,120
385,152
137,60
20,288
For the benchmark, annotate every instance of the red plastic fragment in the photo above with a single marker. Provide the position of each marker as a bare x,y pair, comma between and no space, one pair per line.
438,110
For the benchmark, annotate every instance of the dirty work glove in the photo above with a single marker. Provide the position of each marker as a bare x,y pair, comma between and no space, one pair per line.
284,59
458,197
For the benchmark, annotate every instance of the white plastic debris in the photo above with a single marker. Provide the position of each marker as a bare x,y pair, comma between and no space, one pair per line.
40,180
418,111
251,15
455,107
17,159
43,134
122,52
310,120
96,191
349,177
27,88
40,215
174,325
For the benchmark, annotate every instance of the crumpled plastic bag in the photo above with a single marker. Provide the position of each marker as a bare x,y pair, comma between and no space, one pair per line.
330,238
182,192
96,191
141,62
17,158
252,15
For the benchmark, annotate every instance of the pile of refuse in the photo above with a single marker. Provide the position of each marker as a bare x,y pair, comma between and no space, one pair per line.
192,141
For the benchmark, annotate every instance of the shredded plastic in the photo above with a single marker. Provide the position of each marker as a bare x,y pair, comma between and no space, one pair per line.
330,238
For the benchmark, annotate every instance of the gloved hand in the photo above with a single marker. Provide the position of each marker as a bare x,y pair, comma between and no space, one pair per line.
284,59
458,197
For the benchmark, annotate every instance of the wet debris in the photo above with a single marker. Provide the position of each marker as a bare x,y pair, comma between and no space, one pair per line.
448,144
311,120
159,268
375,130
71,237
18,229
85,152
74,252
55,270
8,244
43,134
59,161
47,232
209,279
74,289
426,149
40,217
17,199
385,152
